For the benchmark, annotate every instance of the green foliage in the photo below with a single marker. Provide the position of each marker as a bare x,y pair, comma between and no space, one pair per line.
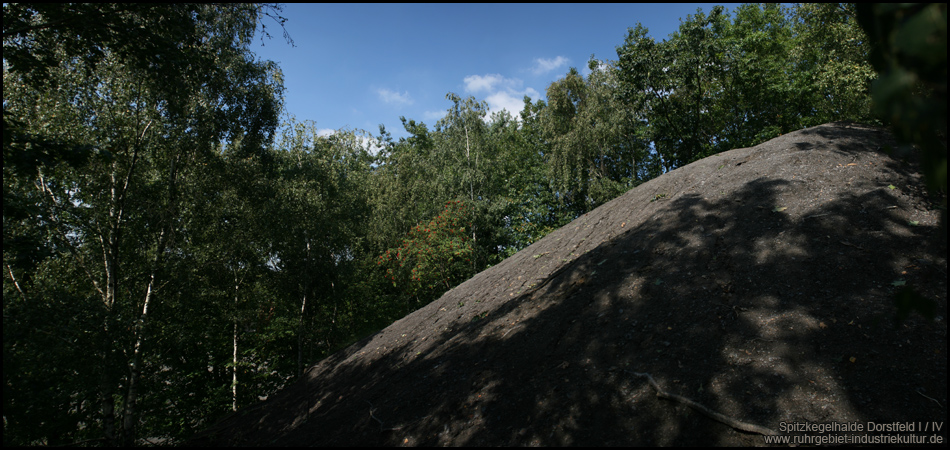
675,84
758,89
158,246
461,150
595,152
718,84
403,187
830,63
910,53
108,241
434,256
318,218
171,49
525,207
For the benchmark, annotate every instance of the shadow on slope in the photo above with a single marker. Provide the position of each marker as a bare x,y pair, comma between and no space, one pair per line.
757,282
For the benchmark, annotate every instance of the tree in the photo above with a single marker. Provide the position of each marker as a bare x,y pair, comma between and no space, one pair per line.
830,64
618,152
167,46
523,206
472,166
434,256
405,184
318,227
461,149
675,84
595,154
757,90
717,84
909,52
77,80
571,152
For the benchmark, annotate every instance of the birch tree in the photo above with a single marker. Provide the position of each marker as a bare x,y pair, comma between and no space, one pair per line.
115,211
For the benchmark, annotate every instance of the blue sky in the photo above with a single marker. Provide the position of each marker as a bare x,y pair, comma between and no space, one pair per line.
357,66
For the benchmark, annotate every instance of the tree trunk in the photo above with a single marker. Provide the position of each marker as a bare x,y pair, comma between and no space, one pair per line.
129,415
303,310
300,328
107,388
234,360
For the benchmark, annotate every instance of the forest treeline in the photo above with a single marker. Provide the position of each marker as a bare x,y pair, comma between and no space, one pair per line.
172,251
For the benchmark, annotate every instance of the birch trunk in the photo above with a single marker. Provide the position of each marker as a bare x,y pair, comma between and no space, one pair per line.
303,308
234,359
303,311
129,415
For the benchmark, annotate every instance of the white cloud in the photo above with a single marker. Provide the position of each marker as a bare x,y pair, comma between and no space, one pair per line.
394,97
369,144
511,100
499,92
477,83
542,65
363,139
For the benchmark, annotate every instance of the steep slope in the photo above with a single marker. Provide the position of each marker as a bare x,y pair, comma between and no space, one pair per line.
757,282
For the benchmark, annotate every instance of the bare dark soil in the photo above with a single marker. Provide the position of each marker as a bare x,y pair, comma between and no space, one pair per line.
758,282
